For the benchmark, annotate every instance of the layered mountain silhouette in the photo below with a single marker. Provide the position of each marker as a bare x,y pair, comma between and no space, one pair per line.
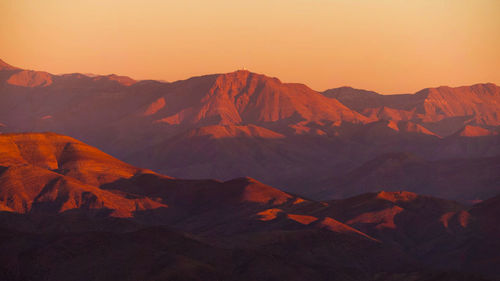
443,110
70,211
243,124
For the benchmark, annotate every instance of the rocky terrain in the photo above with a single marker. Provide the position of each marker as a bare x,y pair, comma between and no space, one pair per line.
72,212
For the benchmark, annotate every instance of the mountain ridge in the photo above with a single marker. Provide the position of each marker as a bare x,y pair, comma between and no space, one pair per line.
241,123
79,205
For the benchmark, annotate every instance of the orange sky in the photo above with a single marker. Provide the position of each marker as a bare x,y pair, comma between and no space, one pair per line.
390,46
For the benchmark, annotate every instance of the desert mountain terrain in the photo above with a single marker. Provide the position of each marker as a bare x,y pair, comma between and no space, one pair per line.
243,124
70,210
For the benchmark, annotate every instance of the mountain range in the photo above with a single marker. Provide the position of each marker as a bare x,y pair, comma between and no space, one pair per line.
241,124
72,212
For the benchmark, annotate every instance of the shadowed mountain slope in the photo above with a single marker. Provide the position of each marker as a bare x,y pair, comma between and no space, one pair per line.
403,171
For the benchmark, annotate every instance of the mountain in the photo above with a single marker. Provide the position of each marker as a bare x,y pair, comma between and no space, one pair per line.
404,171
41,167
53,173
358,99
164,255
169,255
442,110
475,131
6,67
243,124
48,174
237,98
401,217
441,233
54,189
69,209
242,97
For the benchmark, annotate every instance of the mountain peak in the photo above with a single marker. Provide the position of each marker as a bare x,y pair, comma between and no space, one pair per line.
397,196
6,66
244,97
474,131
245,76
243,70
348,90
123,80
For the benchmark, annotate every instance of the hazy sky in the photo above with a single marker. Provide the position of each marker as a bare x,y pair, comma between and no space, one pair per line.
390,46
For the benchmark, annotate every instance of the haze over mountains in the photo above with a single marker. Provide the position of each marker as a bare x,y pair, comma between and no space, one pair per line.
72,212
287,135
